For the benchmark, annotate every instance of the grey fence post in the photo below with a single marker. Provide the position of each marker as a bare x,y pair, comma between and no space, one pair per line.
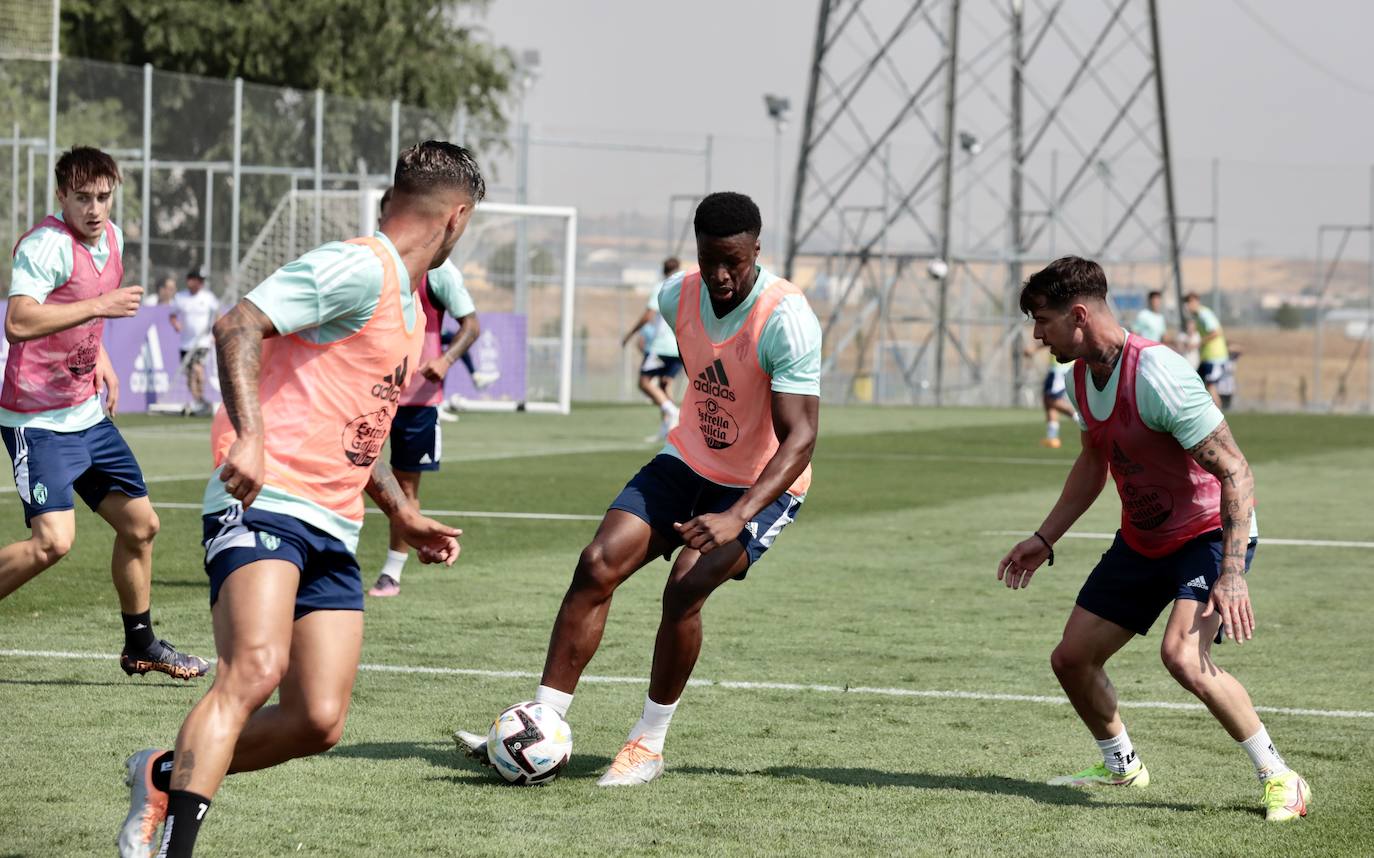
146,189
317,227
237,189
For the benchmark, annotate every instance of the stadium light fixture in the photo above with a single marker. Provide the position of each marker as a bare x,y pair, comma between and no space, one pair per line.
777,106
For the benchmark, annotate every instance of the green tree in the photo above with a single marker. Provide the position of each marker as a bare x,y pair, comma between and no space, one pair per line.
412,50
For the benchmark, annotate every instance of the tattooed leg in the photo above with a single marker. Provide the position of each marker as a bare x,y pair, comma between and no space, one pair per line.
253,624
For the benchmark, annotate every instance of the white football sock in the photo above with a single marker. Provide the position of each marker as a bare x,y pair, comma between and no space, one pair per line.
652,727
395,562
1052,429
1267,761
1118,752
558,701
668,408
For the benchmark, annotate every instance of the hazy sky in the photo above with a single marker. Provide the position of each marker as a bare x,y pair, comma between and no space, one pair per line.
664,71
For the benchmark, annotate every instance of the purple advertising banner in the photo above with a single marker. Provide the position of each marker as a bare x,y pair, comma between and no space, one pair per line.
498,361
145,352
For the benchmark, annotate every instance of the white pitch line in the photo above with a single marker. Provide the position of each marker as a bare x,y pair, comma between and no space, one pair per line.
1263,540
937,694
460,513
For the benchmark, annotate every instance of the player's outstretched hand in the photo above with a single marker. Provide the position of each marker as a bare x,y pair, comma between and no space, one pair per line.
120,303
710,531
107,382
433,541
1230,599
436,369
244,469
1020,564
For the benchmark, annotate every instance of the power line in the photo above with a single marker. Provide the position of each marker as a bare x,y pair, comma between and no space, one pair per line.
1301,54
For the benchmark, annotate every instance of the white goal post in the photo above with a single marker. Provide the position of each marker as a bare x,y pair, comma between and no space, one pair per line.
518,262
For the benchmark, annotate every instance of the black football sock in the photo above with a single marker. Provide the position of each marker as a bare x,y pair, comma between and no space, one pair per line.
467,362
138,631
162,772
185,811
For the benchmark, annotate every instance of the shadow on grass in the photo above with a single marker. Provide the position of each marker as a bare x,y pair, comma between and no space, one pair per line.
1040,793
445,755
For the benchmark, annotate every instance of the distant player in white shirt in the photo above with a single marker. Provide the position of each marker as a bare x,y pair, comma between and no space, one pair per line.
194,311
661,362
1149,322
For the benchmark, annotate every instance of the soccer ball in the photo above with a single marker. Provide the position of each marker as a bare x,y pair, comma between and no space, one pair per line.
529,743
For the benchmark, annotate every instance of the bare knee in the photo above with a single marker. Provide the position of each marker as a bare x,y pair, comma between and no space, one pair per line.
681,600
319,726
141,531
248,679
1185,663
1070,660
51,546
596,575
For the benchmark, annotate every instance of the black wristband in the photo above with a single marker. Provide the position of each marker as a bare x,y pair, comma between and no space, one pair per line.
1049,547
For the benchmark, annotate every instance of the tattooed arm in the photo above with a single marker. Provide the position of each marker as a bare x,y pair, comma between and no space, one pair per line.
238,350
434,542
1230,596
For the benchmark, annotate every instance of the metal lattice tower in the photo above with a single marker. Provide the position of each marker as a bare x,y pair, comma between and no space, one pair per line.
947,147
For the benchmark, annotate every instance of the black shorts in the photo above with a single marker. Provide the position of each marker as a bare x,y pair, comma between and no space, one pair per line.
1132,590
417,441
667,491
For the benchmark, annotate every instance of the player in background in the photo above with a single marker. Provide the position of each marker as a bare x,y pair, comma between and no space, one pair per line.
1149,322
416,439
1052,397
1214,354
733,473
312,363
65,284
193,312
661,360
1188,531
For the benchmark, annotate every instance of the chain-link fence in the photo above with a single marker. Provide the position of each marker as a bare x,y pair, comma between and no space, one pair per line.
223,174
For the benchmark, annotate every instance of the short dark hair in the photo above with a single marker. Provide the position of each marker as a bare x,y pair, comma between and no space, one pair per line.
1154,293
726,213
1192,296
81,165
670,265
434,165
1056,285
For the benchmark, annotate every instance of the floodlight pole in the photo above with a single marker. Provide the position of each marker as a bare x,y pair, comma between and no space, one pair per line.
1171,216
1018,159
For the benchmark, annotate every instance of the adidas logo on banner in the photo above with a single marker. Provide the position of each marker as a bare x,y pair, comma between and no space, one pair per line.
714,382
1199,582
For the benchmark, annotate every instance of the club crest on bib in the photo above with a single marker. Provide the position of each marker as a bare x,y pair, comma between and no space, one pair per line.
718,426
81,359
364,436
1147,507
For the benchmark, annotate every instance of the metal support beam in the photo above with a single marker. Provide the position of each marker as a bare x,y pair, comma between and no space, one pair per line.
946,192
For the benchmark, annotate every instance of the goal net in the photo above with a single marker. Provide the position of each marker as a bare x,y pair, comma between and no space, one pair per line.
518,264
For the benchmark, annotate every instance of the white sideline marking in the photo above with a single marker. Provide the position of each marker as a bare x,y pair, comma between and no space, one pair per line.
1263,540
461,513
985,696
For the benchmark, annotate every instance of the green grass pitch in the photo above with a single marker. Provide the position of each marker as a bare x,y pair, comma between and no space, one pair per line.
886,581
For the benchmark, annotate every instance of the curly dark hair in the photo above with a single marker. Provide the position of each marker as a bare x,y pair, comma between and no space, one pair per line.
435,164
726,213
1058,284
